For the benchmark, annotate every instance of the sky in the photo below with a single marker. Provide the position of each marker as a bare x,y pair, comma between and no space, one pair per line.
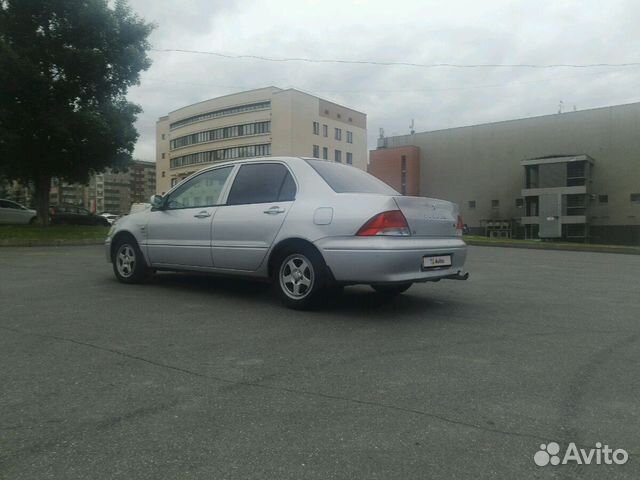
426,32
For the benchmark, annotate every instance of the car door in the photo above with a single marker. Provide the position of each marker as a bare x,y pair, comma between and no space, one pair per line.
7,212
84,217
179,233
257,204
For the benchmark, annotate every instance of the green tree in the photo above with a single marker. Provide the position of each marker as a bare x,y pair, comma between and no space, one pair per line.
65,68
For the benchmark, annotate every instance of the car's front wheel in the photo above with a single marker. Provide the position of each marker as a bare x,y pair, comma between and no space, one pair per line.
129,265
392,290
300,278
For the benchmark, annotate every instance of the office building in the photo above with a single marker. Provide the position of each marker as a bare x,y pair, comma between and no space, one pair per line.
572,176
262,122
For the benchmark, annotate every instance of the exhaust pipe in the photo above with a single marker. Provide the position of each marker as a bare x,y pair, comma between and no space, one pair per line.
459,276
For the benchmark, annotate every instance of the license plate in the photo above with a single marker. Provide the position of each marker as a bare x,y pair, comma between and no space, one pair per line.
436,261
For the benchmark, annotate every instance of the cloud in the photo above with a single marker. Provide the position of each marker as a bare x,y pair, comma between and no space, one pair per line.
463,31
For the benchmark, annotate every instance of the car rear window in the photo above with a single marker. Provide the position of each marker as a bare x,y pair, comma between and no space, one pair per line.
345,179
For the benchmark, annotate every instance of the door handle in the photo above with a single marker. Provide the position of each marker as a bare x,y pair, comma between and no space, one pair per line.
202,214
274,211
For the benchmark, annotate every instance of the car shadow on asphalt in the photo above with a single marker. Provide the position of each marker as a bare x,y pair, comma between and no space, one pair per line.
354,301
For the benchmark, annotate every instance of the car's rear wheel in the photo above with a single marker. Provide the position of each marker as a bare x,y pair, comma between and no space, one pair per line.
300,278
129,264
392,290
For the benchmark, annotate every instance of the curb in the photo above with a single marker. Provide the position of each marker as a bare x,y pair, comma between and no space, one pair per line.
48,243
563,247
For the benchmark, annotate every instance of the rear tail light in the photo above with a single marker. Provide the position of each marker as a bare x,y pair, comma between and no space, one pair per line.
459,226
391,222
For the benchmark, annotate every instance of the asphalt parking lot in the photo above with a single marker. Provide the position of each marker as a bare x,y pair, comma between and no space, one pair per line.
195,377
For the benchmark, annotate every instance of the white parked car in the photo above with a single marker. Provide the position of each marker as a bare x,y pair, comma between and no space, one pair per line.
309,225
12,213
111,218
139,207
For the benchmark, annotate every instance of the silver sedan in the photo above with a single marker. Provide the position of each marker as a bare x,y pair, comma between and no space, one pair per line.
308,225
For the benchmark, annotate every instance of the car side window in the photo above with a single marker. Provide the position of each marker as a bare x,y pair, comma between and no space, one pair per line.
9,204
288,189
82,211
259,183
201,191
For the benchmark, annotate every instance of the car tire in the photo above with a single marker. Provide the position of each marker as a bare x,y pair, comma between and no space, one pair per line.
300,277
129,265
33,221
392,290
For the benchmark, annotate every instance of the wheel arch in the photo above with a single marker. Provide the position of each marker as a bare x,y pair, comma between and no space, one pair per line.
122,234
292,243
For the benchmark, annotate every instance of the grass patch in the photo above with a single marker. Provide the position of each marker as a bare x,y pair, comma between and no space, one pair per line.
546,244
57,232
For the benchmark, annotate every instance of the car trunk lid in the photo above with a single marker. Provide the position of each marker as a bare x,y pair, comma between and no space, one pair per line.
429,217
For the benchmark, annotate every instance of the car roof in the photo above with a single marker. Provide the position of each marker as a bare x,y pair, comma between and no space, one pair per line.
253,160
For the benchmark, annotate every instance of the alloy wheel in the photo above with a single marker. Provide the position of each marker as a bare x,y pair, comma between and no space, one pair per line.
296,276
126,260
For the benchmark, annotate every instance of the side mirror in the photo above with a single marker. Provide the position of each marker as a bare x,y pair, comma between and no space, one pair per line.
156,201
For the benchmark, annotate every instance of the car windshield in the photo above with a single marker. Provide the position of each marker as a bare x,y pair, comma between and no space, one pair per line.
345,179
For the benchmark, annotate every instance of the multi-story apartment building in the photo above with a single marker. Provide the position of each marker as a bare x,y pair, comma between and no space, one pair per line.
69,193
143,181
255,123
115,191
110,191
17,192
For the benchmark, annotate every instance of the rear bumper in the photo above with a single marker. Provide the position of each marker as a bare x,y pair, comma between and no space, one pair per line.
391,259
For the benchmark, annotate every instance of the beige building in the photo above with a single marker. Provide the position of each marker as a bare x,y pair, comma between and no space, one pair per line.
573,175
255,123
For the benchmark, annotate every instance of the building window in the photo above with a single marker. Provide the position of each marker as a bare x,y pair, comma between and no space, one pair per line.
635,198
174,181
349,158
163,174
338,134
316,128
603,198
495,203
472,204
576,204
338,156
221,113
210,156
325,153
339,116
316,151
519,202
163,136
325,131
532,175
247,129
576,173
349,137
